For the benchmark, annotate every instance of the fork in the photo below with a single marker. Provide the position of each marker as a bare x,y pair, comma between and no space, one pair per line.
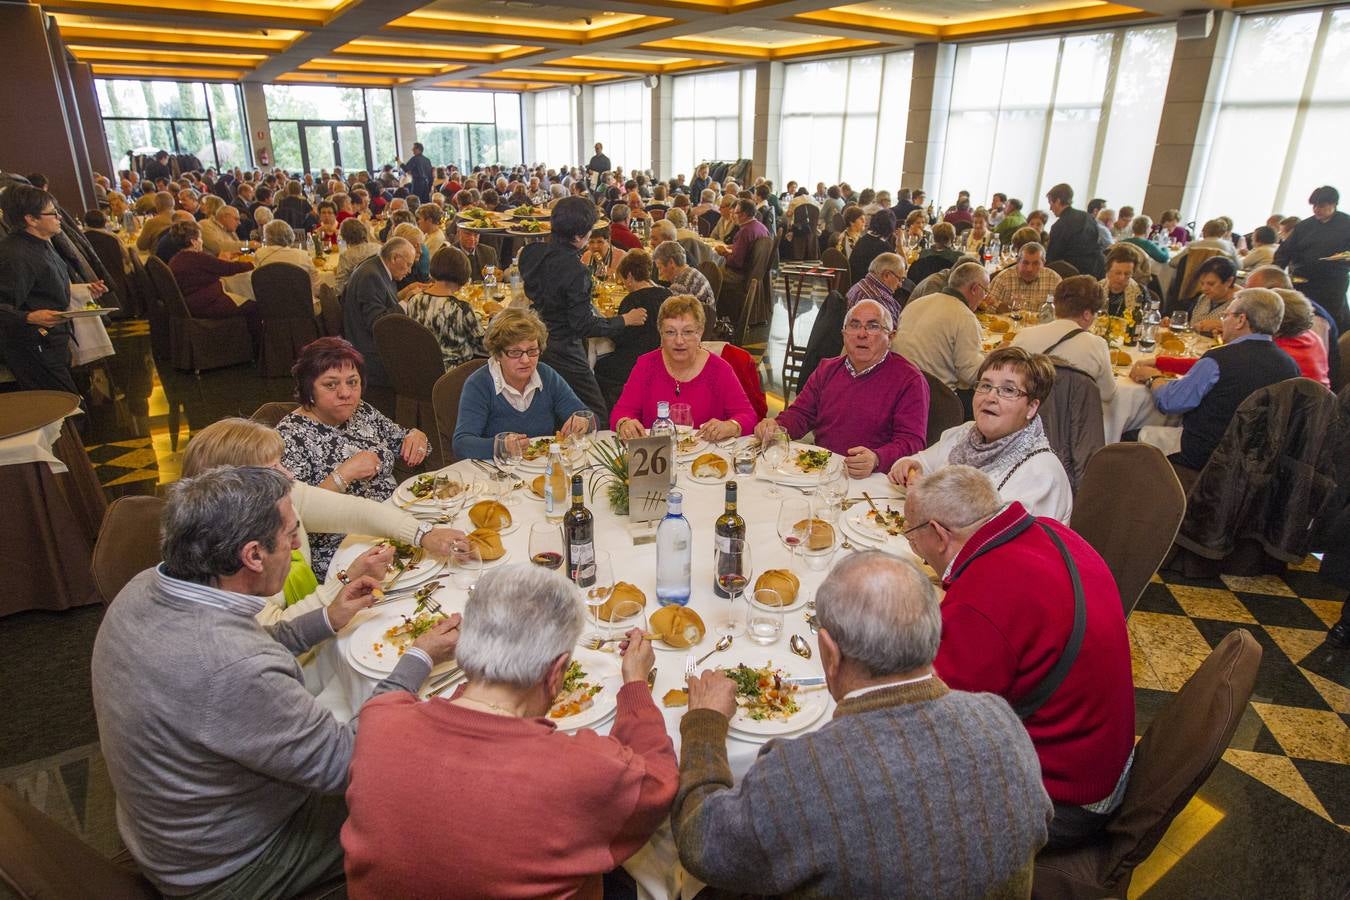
595,643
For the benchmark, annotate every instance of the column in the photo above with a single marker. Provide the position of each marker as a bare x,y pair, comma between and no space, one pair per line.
1188,118
768,116
929,103
585,124
405,121
259,129
91,120
663,100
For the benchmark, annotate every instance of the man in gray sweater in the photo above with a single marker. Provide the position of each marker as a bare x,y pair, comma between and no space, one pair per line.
229,775
913,790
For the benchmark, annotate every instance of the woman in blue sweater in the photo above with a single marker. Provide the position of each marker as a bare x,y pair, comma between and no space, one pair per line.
514,393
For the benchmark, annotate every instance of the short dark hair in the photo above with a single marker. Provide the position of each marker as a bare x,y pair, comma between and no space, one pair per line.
1061,192
852,214
1325,194
832,192
1076,295
1264,234
94,218
417,148
882,223
1220,266
353,231
451,264
636,264
328,205
183,233
318,357
1096,204
210,517
22,200
1016,204
573,217
746,207
431,212
1036,369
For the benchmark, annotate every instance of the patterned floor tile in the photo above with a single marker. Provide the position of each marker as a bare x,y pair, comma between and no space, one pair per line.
1329,611
134,476
1308,733
1173,645
1278,773
1284,612
1337,697
1331,784
1297,643
1211,603
1258,584
135,459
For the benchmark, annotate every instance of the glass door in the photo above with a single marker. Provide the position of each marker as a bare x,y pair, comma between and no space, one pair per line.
352,147
320,147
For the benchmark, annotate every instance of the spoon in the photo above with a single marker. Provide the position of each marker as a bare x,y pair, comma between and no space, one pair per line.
721,645
800,646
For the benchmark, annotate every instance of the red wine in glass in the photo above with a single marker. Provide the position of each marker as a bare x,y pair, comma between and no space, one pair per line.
548,559
733,583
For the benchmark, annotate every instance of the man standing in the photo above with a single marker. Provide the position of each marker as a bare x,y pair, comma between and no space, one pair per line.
599,163
371,293
869,405
1304,253
1007,636
420,170
737,270
1074,237
891,798
1025,285
229,775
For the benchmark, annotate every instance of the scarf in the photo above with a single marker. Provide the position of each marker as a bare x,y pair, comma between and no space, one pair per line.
998,458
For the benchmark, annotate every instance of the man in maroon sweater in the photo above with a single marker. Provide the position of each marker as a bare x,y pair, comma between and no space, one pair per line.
480,795
1006,621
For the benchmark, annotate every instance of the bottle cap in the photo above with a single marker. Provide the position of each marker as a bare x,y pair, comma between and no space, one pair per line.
662,409
673,501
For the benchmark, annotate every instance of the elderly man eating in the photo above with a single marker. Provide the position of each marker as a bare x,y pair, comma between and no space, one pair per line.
229,775
869,405
894,796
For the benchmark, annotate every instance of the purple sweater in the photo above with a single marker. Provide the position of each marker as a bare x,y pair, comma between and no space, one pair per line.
714,394
885,410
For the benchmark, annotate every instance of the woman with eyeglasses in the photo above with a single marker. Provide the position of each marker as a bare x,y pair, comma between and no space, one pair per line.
514,393
682,371
1007,440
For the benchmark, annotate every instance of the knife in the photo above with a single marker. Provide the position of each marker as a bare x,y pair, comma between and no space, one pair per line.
805,680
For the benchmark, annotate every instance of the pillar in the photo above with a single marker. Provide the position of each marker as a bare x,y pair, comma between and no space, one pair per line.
259,128
768,118
405,121
91,120
663,99
930,97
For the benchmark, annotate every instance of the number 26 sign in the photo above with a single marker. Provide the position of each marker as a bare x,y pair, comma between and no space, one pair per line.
651,471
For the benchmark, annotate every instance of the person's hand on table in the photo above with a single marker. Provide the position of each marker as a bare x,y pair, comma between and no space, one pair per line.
359,466
721,249
860,462
635,317
905,471
574,425
416,447
440,640
441,542
638,656
518,443
1209,326
712,690
1143,370
44,318
375,562
629,429
354,597
765,429
715,430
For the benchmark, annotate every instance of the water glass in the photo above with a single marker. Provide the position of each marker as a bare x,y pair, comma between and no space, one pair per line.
744,459
774,451
506,454
597,593
765,618
466,564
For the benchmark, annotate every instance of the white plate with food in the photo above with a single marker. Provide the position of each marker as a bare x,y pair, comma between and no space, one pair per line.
804,465
419,491
709,468
536,454
883,527
765,708
589,694
520,229
380,641
412,565
690,445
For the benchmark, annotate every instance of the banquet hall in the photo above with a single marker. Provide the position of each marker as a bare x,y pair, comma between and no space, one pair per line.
992,356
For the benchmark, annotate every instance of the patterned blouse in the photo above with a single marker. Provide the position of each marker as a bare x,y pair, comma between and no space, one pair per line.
314,450
454,323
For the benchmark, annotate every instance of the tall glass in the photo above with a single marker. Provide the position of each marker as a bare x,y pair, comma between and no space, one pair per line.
466,564
765,616
506,455
774,451
597,595
732,560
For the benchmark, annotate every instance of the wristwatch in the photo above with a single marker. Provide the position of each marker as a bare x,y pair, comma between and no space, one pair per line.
1148,385
422,531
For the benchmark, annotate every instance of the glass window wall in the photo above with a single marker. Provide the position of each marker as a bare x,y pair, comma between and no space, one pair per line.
704,126
623,123
469,128
202,119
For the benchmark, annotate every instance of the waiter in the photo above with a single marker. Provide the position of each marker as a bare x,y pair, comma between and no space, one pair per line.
1304,253
34,291
421,173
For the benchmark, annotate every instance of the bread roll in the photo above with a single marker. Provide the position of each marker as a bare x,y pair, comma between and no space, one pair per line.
492,307
488,543
678,626
785,583
1121,358
537,486
622,591
999,325
489,514
709,465
820,536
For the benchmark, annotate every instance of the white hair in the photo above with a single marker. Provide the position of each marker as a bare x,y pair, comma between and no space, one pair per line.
677,218
882,612
887,262
957,497
664,229
278,233
519,619
885,313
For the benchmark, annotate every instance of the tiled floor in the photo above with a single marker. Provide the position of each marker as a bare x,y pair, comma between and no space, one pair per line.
1273,820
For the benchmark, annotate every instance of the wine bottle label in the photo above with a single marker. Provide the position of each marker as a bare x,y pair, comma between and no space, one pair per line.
582,556
723,543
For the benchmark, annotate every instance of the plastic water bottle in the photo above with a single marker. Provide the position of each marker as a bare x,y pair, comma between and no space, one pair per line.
489,281
555,485
1148,335
674,552
996,251
663,424
1047,310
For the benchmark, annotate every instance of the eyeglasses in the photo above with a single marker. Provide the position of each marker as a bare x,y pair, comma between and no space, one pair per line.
1004,391
50,212
514,353
869,327
689,335
1229,315
908,533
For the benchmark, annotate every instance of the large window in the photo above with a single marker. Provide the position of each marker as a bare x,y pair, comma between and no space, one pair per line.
706,124
1081,109
1277,138
469,128
178,116
845,120
555,129
317,127
623,123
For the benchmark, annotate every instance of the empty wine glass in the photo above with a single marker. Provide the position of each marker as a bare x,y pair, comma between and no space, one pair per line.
732,562
597,593
506,455
546,545
586,435
774,451
1180,324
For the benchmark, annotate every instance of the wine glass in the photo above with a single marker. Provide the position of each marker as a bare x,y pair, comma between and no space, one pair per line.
506,454
732,564
793,513
682,417
1180,324
466,564
546,545
833,489
597,592
586,435
774,451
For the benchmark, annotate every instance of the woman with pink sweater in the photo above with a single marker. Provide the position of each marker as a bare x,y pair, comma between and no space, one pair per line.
681,371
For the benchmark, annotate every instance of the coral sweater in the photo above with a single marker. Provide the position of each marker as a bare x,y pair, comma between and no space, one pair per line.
446,801
1005,620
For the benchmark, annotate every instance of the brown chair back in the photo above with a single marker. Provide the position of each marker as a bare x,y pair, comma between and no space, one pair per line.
944,408
330,311
713,272
109,251
412,356
166,287
1132,537
127,543
833,257
287,308
1343,348
747,310
1072,416
41,859
271,414
1176,755
445,403
1064,269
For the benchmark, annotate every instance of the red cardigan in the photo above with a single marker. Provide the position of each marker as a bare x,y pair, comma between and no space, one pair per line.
446,801
1306,348
1003,634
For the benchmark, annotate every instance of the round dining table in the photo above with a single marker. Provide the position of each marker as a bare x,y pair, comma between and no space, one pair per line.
655,868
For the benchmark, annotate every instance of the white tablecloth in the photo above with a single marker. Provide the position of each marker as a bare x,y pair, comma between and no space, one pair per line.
656,867
34,446
91,341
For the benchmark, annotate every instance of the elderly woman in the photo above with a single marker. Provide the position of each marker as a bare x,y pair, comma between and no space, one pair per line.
978,234
1217,281
242,442
421,270
1120,291
682,370
916,227
514,393
725,229
855,222
451,319
280,245
1007,440
337,442
612,369
1140,227
117,206
1170,228
356,235
1297,338
601,256
198,274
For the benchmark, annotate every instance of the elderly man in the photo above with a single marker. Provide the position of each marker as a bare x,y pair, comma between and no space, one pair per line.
219,232
229,775
620,235
673,270
1014,637
540,812
157,224
892,797
480,255
1210,393
884,278
1025,285
678,218
190,201
1069,336
869,405
371,293
940,334
1075,236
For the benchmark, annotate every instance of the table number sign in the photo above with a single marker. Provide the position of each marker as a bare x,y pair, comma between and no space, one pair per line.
651,472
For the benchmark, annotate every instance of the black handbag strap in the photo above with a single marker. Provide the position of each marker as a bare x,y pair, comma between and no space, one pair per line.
1072,334
1036,698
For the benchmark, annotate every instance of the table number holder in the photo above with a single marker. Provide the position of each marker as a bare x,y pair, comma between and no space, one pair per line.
651,473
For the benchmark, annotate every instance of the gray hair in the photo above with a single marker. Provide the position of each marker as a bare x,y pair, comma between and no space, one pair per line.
886,319
278,234
393,246
557,190
964,275
210,517
1263,307
1031,248
665,230
1272,277
519,619
1141,226
212,204
669,252
261,216
887,262
225,211
1298,313
677,218
957,497
619,212
882,612
707,195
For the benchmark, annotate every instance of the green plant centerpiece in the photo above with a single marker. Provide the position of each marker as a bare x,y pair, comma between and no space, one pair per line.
610,470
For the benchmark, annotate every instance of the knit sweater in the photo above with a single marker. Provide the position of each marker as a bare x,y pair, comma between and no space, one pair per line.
1005,620
484,413
939,334
211,739
884,410
446,801
714,393
911,791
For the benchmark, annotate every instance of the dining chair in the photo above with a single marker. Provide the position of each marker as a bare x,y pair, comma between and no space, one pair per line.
1072,416
271,414
412,356
826,339
196,344
944,408
127,543
761,262
835,259
445,395
1062,269
282,291
1132,537
109,250
152,307
1174,758
713,272
330,311
746,311
1343,348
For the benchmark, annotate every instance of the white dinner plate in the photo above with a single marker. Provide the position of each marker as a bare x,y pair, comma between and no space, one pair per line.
699,446
605,668
711,479
499,561
361,649
427,569
813,702
540,462
787,472
858,526
404,498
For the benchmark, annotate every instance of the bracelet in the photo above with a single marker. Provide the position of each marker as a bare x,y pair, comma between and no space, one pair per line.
343,577
1148,385
339,481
